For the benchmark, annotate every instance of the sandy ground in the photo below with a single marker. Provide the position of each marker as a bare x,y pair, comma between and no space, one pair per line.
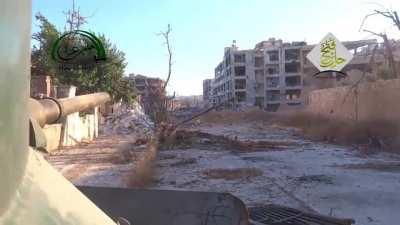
102,162
329,179
314,176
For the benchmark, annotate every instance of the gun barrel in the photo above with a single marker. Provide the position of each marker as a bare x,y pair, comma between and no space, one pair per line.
49,110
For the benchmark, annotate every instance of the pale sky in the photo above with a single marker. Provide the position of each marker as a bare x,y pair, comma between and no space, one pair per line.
201,29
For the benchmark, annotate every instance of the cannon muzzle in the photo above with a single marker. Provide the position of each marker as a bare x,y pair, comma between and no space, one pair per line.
50,110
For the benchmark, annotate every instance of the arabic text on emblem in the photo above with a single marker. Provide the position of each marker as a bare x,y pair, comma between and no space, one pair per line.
328,54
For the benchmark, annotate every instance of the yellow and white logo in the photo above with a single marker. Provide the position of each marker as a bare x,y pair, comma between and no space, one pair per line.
330,54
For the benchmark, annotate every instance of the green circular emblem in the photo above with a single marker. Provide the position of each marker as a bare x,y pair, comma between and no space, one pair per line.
78,47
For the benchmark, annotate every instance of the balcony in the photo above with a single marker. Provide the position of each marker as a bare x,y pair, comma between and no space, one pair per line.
240,96
272,57
272,82
292,96
239,58
292,55
240,71
294,102
258,61
293,82
240,83
273,96
272,70
292,67
272,107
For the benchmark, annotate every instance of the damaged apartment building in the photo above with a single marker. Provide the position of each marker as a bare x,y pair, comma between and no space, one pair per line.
147,87
272,76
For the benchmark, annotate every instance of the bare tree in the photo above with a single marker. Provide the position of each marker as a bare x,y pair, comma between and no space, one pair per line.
393,16
74,19
166,35
157,102
388,51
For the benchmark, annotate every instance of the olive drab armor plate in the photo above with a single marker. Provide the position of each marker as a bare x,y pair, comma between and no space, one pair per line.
169,207
44,197
31,191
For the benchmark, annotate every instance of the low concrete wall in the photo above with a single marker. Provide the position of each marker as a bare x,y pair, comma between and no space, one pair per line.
74,128
370,101
52,133
77,129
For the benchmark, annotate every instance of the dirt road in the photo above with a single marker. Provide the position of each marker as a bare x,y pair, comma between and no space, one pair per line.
281,167
104,162
313,176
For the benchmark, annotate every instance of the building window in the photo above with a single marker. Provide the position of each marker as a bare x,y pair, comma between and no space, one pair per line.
292,54
227,58
240,84
272,82
293,81
259,87
259,74
140,81
273,95
292,94
273,70
272,107
240,58
258,61
259,102
293,67
240,96
273,55
240,70
140,88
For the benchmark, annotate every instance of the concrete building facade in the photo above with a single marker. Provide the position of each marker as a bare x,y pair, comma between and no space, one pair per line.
150,91
267,76
207,90
270,76
146,85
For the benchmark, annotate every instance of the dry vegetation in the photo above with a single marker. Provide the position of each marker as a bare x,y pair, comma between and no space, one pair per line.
386,167
377,134
187,139
382,134
232,174
142,174
229,117
184,162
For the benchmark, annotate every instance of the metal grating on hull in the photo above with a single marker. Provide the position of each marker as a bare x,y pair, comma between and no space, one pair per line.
281,215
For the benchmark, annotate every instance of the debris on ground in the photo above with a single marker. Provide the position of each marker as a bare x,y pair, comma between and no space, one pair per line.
184,162
104,162
259,163
378,166
131,121
232,174
194,138
320,178
374,135
312,176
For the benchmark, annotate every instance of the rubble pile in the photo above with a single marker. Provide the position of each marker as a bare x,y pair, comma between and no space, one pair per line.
130,121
